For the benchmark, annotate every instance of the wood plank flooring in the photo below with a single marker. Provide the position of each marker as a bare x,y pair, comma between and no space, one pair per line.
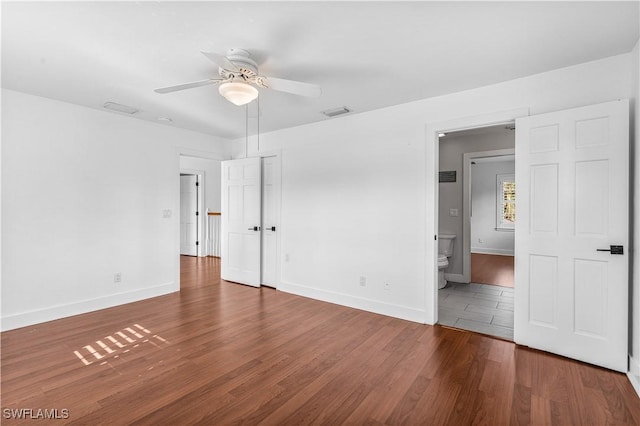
492,269
222,353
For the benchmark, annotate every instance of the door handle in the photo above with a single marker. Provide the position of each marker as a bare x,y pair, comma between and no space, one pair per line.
613,249
272,228
255,228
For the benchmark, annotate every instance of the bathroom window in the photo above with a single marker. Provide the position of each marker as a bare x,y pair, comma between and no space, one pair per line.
506,202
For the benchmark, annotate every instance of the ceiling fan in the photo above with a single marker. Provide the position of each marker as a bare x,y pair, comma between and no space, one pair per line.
238,74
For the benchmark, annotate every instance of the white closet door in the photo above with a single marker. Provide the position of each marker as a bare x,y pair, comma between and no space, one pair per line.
241,221
270,219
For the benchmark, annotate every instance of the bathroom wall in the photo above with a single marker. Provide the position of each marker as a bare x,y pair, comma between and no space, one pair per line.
485,238
452,149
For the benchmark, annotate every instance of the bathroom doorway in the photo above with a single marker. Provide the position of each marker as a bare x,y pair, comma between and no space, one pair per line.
477,169
492,208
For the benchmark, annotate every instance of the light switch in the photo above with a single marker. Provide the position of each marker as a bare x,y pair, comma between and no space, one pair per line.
453,212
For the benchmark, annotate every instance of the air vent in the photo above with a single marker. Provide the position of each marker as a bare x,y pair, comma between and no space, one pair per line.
120,108
336,111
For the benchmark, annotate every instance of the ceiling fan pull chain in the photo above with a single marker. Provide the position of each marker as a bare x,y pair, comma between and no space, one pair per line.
246,130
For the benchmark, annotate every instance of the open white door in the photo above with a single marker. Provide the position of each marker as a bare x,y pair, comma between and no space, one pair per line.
240,224
572,180
189,215
270,219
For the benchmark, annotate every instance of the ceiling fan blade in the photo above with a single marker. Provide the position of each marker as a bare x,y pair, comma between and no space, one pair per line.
188,85
221,61
295,87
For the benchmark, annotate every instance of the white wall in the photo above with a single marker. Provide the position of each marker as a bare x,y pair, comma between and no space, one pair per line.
485,238
451,155
83,194
357,190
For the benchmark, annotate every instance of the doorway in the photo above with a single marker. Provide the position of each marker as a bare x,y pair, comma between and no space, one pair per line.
492,214
474,165
569,250
206,171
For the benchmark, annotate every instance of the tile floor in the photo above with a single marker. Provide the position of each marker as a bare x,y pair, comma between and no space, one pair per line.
482,308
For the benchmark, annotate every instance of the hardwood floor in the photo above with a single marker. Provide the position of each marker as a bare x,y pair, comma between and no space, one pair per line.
492,269
223,353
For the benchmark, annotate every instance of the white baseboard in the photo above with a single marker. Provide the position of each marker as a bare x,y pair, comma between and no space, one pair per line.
635,382
634,374
396,311
38,316
456,278
486,250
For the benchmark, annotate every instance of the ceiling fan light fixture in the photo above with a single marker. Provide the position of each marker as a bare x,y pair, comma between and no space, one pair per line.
238,93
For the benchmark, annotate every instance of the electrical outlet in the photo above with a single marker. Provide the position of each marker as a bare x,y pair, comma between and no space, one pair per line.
480,240
453,212
117,277
363,281
387,286
286,257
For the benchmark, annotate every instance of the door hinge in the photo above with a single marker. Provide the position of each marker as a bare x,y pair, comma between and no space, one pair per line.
197,213
197,183
197,243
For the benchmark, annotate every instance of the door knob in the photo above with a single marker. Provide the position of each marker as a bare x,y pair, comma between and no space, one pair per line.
613,249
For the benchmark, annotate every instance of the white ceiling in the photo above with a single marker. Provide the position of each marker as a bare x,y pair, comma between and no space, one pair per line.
364,55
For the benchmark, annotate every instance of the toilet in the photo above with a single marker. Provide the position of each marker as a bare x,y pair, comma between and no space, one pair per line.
445,250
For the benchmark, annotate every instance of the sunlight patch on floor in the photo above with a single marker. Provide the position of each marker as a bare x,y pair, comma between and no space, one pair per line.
121,341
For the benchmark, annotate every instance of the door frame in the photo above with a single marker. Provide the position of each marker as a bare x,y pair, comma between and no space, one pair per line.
432,194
